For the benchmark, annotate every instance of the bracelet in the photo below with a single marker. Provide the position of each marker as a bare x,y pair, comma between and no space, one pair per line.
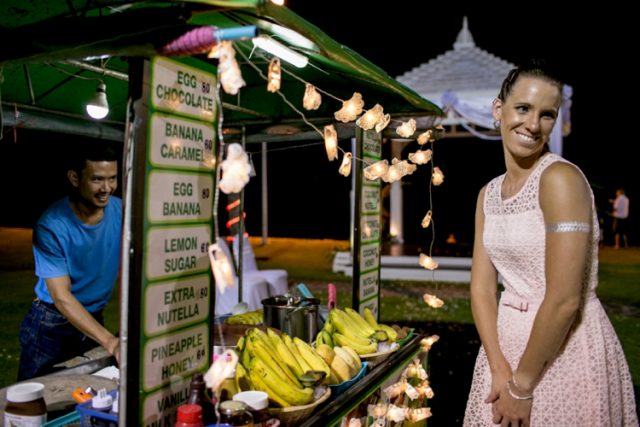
511,383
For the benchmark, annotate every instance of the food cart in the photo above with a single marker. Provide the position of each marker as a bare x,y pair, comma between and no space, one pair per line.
176,118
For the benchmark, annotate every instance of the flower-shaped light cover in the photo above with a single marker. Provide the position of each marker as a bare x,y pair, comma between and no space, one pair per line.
312,98
331,142
351,109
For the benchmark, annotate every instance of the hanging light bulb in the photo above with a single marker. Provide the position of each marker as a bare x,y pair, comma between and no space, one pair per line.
345,167
421,157
98,107
351,108
312,98
331,142
406,129
275,75
372,117
426,220
376,170
427,262
437,177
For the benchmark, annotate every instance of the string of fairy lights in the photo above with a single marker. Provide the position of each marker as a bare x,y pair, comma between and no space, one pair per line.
405,399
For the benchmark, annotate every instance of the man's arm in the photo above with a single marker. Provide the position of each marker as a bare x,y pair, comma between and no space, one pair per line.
60,291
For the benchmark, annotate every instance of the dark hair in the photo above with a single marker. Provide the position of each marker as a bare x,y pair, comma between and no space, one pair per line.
533,68
92,151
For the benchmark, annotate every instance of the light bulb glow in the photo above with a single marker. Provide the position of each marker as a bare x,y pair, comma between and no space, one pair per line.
98,107
331,142
438,177
345,167
281,51
351,108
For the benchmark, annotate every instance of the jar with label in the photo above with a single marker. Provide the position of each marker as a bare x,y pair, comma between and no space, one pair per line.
25,405
235,413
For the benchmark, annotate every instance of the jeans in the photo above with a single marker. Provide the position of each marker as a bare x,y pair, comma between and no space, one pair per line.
48,338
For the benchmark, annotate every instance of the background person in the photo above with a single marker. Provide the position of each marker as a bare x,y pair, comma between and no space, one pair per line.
76,246
549,355
620,215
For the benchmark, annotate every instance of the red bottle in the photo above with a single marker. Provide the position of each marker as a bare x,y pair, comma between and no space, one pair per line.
189,415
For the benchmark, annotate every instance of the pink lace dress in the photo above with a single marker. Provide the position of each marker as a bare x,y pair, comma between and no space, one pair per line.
588,384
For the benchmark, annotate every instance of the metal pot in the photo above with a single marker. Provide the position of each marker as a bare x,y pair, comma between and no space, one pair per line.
297,317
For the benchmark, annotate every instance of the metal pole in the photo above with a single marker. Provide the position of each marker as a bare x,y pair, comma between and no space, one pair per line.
265,196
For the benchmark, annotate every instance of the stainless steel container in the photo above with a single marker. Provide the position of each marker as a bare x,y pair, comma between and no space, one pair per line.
297,317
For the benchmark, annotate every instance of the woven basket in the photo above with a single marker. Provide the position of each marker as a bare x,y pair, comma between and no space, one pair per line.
295,415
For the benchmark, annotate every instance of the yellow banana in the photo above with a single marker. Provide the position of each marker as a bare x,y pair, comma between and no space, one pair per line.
349,333
314,360
355,356
326,338
341,369
259,384
391,333
342,341
242,378
285,354
348,359
245,357
291,393
326,353
261,335
296,353
359,321
274,336
319,339
281,369
328,326
370,318
240,344
343,324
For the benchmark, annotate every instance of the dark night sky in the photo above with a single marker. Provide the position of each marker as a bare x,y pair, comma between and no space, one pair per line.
588,50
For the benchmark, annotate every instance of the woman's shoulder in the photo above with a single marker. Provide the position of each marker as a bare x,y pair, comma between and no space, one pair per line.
559,169
562,180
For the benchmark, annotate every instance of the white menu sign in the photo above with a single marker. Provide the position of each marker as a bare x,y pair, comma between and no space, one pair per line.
176,251
180,142
179,88
179,197
179,354
172,305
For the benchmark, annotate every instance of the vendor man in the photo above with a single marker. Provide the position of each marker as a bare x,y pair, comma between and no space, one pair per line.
76,245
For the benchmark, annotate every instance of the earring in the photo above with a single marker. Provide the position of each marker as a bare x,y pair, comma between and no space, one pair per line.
496,124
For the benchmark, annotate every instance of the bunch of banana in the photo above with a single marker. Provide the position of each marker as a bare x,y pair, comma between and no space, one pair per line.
255,317
343,361
391,332
348,328
274,363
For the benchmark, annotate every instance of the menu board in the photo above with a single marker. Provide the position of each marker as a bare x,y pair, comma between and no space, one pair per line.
367,240
176,150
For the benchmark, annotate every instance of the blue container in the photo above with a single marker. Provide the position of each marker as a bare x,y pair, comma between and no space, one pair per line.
337,389
90,417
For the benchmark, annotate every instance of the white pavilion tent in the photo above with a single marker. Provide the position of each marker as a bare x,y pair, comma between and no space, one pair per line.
464,82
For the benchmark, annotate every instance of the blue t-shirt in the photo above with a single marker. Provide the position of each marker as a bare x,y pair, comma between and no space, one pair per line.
88,254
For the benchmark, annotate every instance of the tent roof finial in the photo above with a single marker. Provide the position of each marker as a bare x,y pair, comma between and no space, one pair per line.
464,39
